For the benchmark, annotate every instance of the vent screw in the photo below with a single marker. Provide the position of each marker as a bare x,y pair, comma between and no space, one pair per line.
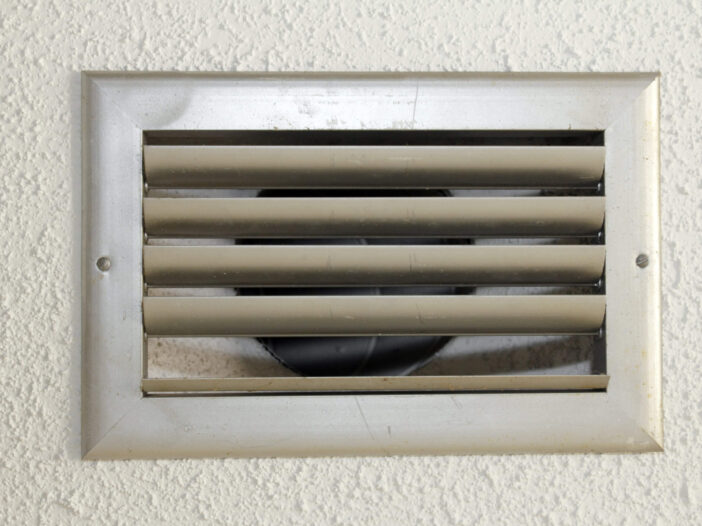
104,263
642,260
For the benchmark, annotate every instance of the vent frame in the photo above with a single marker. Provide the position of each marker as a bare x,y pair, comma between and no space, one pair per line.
119,421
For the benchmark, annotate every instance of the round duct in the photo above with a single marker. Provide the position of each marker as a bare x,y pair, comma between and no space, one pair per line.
345,356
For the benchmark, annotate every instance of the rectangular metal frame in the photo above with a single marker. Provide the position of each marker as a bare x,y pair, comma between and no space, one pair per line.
120,421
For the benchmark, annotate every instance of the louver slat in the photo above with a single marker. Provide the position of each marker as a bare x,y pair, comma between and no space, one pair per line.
368,315
374,217
296,266
536,382
372,166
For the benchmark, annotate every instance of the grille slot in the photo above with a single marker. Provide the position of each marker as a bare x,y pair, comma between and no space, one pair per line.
359,240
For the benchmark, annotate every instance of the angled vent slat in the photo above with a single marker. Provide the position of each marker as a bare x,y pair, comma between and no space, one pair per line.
537,382
374,217
372,315
324,265
204,166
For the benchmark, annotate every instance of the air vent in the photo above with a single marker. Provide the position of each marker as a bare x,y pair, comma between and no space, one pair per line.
361,260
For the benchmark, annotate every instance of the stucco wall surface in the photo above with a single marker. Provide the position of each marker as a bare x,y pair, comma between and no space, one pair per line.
43,46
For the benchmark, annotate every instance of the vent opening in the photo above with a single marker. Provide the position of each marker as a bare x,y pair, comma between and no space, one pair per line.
313,245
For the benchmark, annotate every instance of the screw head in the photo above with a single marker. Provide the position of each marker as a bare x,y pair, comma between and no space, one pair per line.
642,260
103,263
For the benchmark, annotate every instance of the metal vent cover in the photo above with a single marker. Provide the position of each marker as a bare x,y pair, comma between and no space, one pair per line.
341,171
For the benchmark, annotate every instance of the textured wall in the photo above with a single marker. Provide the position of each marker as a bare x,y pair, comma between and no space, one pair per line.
43,46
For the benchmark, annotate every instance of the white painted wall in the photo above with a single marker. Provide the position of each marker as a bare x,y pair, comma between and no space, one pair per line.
43,46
